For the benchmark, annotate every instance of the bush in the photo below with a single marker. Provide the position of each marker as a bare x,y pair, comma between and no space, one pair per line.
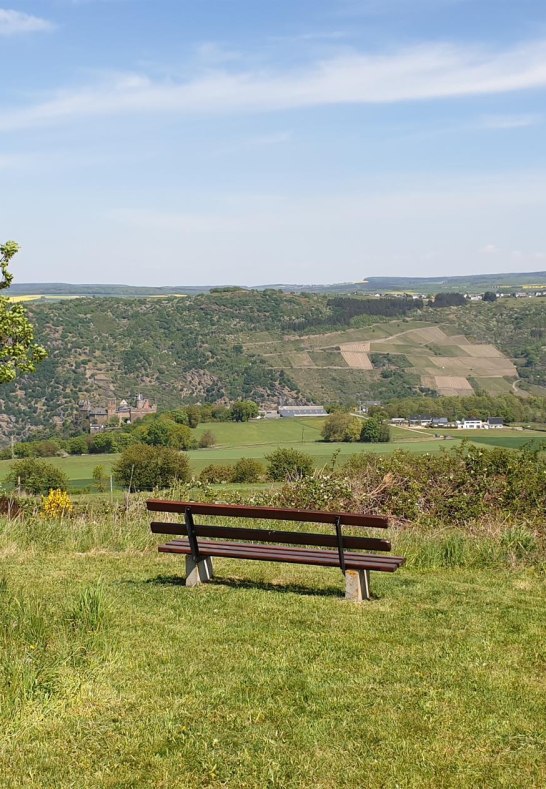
77,446
208,439
288,463
341,427
248,470
144,467
102,443
56,504
215,474
37,476
375,431
243,410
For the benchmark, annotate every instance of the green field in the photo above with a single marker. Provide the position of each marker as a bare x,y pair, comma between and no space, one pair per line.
115,675
512,442
256,439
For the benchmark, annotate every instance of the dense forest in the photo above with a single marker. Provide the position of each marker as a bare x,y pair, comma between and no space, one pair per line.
192,349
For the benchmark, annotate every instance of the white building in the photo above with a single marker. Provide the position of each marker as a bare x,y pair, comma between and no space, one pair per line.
470,424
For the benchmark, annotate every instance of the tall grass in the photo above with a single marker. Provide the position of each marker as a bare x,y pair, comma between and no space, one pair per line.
40,645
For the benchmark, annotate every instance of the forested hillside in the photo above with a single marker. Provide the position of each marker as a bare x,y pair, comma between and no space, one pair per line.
236,343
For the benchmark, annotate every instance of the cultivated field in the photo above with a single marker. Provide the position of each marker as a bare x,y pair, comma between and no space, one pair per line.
448,363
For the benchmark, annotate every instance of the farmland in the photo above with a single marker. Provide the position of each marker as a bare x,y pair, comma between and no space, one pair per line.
428,355
256,439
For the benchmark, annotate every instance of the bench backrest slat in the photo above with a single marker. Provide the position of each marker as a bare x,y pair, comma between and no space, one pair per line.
273,535
269,513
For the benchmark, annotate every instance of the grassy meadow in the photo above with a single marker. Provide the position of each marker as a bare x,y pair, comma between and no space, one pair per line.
256,439
113,674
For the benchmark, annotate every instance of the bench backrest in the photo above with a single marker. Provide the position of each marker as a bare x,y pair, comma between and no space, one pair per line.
337,519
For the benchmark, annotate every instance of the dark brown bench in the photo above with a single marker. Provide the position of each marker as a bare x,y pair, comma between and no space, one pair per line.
201,542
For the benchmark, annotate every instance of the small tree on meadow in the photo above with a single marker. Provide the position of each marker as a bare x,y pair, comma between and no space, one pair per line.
288,463
374,431
248,470
37,476
208,439
341,426
145,467
99,478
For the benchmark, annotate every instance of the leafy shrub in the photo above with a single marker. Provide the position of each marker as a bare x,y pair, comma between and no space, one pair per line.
37,476
243,410
208,439
375,431
288,463
215,474
248,470
103,443
99,478
341,427
144,467
77,446
56,504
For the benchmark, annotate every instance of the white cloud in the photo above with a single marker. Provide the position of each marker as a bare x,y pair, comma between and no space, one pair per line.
426,72
14,23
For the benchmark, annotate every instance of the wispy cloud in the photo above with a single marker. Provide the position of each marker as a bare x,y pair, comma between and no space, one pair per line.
426,72
13,23
510,121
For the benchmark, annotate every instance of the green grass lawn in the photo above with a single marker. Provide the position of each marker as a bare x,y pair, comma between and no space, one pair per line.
113,674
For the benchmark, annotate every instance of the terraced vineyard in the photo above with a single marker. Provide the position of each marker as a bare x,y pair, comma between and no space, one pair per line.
430,356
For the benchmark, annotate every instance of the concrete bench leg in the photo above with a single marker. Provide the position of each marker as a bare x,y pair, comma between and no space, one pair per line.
357,585
198,572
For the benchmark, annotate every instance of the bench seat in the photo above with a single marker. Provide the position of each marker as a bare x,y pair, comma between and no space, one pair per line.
281,553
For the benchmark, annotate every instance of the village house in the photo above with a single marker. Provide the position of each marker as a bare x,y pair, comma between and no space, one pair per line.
495,422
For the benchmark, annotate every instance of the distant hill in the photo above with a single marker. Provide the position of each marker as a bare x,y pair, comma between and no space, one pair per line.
426,285
267,345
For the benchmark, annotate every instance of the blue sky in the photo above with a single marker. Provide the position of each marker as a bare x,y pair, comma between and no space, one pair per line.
242,141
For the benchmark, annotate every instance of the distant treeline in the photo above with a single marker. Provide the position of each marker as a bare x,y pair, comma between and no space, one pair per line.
344,309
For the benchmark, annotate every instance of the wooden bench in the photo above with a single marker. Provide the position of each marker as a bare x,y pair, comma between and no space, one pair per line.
202,542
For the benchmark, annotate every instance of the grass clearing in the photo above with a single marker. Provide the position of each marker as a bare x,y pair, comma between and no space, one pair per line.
266,677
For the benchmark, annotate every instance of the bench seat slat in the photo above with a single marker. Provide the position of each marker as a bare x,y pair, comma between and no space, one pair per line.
252,547
289,555
268,513
273,535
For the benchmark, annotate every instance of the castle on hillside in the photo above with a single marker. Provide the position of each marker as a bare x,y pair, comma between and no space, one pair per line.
115,414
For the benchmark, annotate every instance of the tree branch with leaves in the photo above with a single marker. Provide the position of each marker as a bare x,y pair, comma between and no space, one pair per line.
19,353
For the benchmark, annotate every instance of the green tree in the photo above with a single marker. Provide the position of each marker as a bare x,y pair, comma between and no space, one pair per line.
18,351
102,443
288,464
194,415
374,431
37,476
158,433
77,446
145,467
341,426
243,410
489,295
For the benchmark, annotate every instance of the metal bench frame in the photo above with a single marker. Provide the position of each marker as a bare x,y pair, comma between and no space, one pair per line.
199,550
